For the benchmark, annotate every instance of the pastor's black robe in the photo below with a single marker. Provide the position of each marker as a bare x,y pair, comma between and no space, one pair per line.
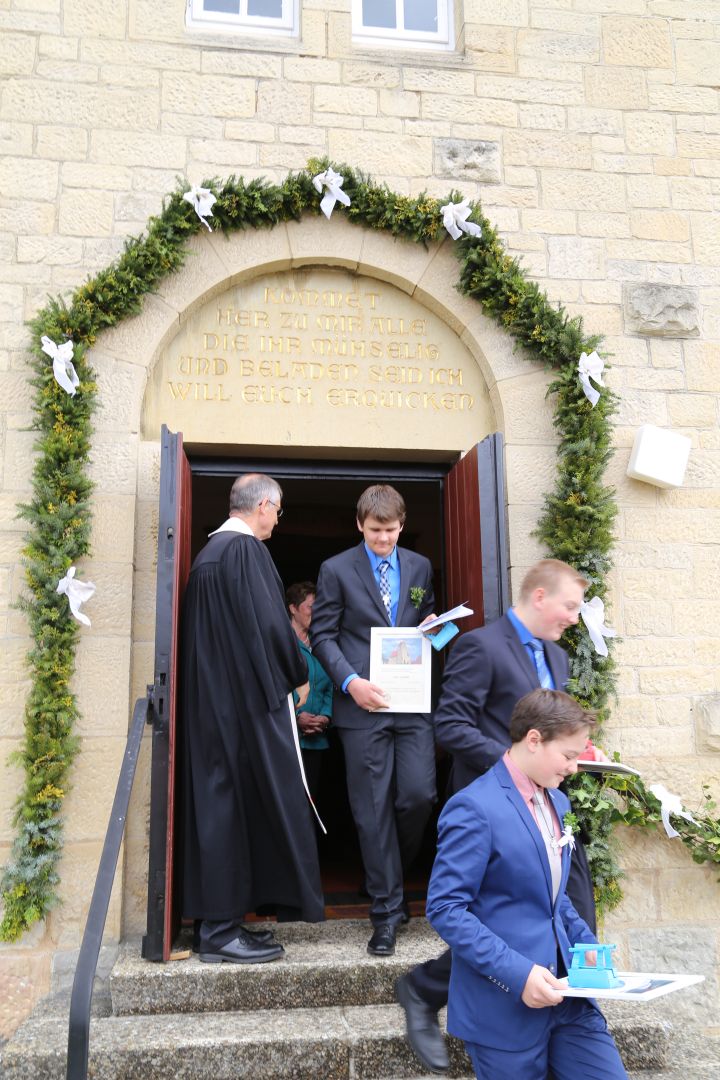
248,832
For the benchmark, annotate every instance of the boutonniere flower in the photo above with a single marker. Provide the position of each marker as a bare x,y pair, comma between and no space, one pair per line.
570,827
417,594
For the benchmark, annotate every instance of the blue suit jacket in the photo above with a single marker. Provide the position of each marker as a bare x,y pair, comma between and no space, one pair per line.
490,898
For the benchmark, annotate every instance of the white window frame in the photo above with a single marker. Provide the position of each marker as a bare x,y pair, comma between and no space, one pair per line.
399,37
196,18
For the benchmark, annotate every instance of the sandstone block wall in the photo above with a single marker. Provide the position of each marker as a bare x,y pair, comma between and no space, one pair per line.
589,130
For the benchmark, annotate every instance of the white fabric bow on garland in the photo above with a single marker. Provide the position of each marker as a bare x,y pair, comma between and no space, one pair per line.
455,219
592,613
202,200
63,367
333,182
77,593
591,367
670,804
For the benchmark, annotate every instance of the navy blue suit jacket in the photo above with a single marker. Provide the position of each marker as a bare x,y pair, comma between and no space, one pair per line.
347,605
488,671
490,899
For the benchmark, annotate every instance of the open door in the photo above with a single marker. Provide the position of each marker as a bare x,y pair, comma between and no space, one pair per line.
476,564
173,568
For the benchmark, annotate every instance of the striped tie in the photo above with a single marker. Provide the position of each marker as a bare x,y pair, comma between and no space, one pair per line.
384,570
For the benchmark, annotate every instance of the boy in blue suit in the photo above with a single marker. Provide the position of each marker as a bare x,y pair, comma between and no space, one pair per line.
497,897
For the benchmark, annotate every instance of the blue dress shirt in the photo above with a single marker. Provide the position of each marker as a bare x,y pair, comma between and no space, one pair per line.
393,576
394,583
525,638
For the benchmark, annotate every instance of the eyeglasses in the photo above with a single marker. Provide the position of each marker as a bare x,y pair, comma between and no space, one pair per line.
278,509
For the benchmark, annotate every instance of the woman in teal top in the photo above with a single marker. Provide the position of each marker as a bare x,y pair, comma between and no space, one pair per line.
317,710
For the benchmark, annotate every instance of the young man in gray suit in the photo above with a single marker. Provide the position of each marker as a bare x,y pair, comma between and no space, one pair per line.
389,757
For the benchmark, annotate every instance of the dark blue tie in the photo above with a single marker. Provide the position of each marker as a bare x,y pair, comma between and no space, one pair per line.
543,671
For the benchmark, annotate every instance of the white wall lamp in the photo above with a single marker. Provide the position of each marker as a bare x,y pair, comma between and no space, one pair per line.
659,456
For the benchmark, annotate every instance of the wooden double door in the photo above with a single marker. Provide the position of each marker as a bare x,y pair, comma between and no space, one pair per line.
456,516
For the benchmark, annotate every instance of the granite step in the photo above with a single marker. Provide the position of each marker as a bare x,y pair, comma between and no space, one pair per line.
324,965
360,1042
325,1011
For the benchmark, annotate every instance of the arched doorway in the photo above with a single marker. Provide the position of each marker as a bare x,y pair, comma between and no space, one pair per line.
510,388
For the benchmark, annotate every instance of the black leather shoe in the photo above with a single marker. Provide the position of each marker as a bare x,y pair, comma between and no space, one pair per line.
243,949
263,936
422,1028
382,943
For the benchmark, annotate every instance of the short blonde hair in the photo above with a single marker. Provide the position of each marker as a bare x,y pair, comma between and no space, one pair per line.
547,574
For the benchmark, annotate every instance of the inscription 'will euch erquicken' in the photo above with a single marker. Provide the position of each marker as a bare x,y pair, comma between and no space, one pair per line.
291,353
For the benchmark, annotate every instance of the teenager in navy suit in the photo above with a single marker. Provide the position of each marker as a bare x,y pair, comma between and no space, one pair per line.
497,897
389,757
487,673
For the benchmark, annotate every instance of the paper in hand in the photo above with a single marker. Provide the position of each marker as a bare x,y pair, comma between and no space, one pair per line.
459,612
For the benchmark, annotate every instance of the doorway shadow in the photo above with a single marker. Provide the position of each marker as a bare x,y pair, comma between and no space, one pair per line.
319,522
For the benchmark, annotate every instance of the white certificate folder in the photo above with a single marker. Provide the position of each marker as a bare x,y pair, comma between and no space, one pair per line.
401,664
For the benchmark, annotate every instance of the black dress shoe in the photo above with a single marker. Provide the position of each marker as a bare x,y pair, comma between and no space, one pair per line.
382,943
422,1028
243,949
263,936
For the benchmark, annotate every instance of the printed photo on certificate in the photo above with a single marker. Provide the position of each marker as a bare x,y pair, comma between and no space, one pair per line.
401,663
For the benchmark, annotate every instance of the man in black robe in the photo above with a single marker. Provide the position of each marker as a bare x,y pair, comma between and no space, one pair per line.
248,832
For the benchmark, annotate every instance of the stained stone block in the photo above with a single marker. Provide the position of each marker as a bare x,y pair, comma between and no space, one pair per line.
691,949
707,723
468,159
661,310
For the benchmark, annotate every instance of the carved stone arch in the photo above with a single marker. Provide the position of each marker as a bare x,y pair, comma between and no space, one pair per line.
125,466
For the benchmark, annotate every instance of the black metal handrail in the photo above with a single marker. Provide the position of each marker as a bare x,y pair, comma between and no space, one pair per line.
82,991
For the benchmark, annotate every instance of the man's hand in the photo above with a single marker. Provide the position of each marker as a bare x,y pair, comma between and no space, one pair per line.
367,695
541,989
427,620
303,693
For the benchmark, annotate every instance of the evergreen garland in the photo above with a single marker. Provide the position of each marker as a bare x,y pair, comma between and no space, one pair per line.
576,523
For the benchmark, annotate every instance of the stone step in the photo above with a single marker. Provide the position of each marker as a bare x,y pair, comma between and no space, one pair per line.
324,965
362,1042
303,1044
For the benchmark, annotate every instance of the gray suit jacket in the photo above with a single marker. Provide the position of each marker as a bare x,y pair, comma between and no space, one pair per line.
347,605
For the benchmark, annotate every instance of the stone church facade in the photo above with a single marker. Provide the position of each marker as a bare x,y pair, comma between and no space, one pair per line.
589,131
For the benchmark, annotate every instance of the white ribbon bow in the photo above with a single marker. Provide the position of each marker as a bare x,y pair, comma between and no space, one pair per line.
77,593
455,219
592,613
63,368
591,367
670,804
333,182
567,838
202,200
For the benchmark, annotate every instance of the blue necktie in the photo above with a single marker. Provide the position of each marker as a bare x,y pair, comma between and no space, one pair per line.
543,671
384,571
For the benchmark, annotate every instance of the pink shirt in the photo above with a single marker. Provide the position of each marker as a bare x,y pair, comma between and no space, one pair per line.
529,790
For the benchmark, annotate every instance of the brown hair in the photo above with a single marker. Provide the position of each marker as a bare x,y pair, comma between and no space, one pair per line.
382,502
551,712
546,575
295,594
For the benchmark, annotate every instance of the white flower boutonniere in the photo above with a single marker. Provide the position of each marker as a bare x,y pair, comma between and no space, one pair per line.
570,827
